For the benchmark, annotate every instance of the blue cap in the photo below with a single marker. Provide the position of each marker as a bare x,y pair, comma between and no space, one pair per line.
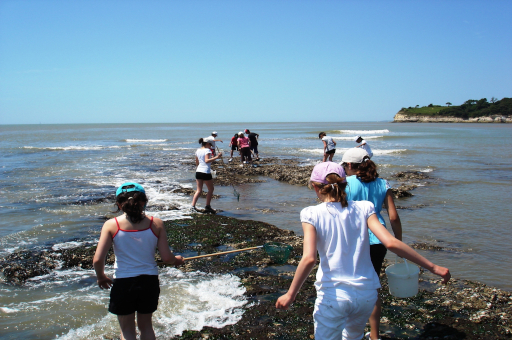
129,187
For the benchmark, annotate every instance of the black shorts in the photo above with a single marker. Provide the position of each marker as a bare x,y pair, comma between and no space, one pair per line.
254,149
331,151
234,147
134,294
203,176
377,254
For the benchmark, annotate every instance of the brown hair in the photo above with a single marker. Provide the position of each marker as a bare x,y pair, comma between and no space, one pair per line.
130,203
334,189
366,171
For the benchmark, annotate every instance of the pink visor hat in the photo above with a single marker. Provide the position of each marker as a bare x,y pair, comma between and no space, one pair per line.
322,170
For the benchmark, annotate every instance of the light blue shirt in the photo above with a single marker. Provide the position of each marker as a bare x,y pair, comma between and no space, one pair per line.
374,192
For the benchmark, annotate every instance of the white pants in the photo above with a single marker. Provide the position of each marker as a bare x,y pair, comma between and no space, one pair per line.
343,313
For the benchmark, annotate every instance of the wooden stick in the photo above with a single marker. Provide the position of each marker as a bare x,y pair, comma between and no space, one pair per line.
215,254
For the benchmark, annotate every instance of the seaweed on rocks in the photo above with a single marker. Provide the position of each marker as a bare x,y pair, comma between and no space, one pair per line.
460,310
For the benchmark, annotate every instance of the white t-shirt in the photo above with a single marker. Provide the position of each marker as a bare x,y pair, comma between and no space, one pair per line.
330,143
365,146
343,245
211,140
203,166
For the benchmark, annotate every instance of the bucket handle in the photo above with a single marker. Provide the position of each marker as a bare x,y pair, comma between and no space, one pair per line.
405,261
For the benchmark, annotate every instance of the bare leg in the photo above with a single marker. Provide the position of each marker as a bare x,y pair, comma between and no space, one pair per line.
209,195
375,320
127,324
330,157
145,326
325,157
198,191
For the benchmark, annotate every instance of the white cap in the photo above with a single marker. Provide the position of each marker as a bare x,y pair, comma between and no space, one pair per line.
214,132
355,139
355,155
240,133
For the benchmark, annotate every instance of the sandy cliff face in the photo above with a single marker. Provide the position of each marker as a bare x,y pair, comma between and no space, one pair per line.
403,118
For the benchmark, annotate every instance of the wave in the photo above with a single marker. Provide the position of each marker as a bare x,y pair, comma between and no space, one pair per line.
72,148
351,138
188,301
343,150
145,140
362,132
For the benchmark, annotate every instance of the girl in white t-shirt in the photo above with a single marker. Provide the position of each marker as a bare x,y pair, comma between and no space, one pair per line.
346,282
204,158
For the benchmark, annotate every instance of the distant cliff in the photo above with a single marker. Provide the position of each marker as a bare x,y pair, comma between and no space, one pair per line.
401,117
471,111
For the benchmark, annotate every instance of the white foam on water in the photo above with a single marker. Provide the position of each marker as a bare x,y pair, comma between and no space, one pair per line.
387,152
351,138
8,310
188,301
67,245
74,148
426,170
362,132
343,150
145,140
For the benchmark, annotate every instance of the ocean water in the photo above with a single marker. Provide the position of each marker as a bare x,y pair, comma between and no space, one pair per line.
54,180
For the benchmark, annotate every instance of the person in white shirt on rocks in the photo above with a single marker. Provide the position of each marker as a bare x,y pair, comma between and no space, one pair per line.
346,281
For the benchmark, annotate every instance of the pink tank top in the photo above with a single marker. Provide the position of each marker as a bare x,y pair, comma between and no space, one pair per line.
135,252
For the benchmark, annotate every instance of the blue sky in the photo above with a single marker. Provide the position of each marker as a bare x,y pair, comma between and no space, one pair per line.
248,61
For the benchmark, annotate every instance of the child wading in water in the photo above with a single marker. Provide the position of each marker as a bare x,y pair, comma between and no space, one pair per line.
329,146
135,237
346,281
204,161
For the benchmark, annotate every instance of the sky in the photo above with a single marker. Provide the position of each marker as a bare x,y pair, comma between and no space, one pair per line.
156,61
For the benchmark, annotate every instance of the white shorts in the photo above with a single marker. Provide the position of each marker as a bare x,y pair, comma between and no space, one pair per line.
342,313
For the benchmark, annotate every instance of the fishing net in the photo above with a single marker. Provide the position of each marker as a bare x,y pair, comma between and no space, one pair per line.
278,252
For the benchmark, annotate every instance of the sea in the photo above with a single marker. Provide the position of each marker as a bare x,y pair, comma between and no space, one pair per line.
56,181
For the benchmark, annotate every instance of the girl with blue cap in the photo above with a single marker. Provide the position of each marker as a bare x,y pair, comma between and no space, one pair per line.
135,238
346,282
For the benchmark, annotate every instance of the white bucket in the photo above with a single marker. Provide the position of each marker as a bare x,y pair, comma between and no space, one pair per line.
214,173
403,279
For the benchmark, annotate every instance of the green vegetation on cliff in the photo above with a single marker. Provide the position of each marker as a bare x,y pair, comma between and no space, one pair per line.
470,109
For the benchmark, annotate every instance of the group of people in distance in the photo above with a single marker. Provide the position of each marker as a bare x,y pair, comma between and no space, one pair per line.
346,231
206,154
246,144
330,146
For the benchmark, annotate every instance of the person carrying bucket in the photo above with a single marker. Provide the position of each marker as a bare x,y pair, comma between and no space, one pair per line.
135,237
364,184
346,282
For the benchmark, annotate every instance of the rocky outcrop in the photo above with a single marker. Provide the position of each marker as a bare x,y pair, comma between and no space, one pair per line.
401,117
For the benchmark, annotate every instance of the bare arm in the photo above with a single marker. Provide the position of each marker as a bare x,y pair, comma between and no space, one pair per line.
305,266
163,246
325,145
403,250
396,225
197,161
102,249
208,157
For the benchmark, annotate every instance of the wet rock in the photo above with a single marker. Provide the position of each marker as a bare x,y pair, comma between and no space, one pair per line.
191,192
410,175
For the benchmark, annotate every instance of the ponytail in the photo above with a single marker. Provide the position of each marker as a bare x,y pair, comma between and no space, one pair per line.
334,189
131,204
